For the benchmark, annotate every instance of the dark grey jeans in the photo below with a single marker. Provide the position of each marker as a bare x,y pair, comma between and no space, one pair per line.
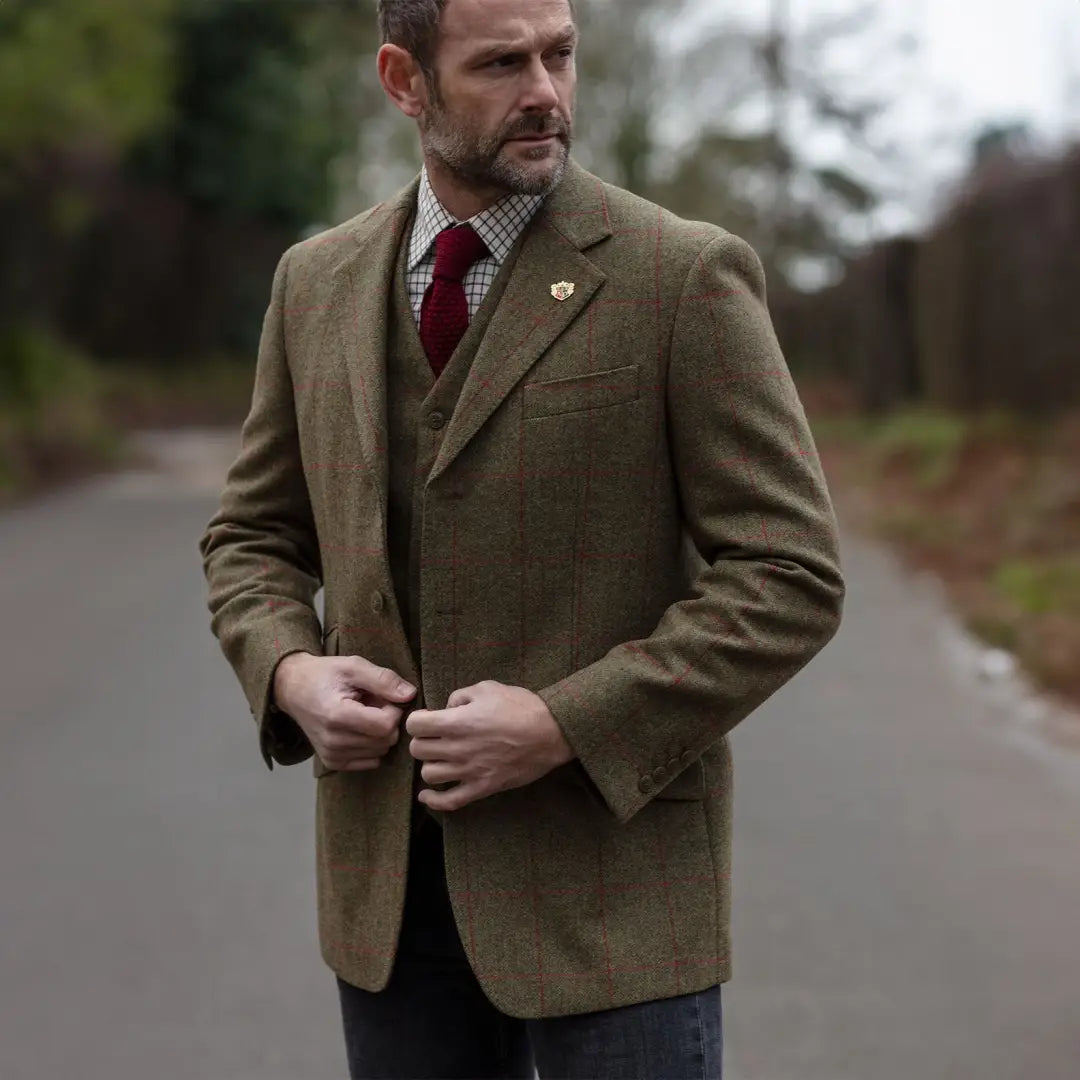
433,1021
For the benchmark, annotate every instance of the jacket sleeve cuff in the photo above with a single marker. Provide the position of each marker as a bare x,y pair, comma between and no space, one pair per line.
281,738
612,779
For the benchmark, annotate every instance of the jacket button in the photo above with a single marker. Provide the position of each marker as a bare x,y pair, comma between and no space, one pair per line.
436,421
378,601
686,757
645,785
659,774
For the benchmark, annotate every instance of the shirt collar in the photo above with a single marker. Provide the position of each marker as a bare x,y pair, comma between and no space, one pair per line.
499,226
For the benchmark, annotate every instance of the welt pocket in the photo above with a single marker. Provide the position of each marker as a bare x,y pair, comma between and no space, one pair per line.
597,390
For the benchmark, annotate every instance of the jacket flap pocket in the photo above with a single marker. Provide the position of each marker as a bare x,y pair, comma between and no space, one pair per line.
689,784
615,386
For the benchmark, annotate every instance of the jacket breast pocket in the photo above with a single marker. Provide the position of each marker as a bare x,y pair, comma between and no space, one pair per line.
580,393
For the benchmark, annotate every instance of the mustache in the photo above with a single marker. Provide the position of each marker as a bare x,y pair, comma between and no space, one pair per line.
536,125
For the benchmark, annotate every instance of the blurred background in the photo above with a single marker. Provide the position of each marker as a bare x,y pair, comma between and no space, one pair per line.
909,173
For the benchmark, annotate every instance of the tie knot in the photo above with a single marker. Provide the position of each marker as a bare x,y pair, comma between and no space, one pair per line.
456,249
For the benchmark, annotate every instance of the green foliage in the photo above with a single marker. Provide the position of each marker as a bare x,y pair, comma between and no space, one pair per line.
930,440
89,74
35,367
996,630
913,525
262,108
51,416
1041,586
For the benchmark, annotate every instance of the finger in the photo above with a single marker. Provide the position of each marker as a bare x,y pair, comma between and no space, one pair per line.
340,747
361,765
440,772
433,723
451,800
432,749
381,681
352,717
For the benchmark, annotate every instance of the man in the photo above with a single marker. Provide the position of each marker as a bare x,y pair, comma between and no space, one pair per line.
537,440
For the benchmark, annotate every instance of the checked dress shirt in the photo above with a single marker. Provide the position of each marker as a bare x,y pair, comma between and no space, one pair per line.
499,227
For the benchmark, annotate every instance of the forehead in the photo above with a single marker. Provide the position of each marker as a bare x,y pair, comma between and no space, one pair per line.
478,24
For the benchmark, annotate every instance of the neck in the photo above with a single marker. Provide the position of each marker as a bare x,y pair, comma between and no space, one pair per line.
459,199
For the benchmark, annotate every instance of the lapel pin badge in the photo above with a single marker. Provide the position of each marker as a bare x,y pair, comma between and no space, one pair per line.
563,290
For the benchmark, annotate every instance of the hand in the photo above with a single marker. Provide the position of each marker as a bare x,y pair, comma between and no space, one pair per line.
489,738
347,707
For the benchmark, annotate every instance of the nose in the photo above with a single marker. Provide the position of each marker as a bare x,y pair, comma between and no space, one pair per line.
538,93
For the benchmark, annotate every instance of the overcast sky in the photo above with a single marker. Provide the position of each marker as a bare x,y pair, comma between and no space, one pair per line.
1002,57
998,57
979,61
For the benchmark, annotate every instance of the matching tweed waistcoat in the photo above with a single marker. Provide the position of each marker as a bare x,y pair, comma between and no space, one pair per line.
418,408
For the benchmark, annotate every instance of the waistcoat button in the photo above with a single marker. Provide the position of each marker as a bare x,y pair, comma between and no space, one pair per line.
436,421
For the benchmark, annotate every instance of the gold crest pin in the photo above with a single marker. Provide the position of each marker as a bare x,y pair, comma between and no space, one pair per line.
563,290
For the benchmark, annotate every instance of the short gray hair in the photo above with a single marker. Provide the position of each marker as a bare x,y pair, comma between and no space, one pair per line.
412,25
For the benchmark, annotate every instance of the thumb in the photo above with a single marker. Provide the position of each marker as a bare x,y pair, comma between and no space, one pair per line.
382,681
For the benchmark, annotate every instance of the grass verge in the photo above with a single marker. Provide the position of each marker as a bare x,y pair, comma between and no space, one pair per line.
63,416
990,504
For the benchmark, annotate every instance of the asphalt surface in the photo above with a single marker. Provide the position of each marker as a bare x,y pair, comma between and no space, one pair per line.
906,864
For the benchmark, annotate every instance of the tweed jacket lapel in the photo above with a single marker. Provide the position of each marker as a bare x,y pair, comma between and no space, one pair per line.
362,284
529,319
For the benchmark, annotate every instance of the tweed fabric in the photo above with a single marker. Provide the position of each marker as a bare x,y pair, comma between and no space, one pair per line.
625,514
499,227
416,410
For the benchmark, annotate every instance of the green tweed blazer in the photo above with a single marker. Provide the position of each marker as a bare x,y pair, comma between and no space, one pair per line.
626,515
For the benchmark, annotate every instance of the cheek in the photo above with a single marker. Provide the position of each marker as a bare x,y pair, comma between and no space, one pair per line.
566,86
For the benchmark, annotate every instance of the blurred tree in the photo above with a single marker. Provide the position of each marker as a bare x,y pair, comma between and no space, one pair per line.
759,165
79,82
80,77
623,81
265,105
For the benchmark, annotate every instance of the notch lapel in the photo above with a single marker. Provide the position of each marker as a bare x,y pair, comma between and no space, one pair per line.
362,284
529,319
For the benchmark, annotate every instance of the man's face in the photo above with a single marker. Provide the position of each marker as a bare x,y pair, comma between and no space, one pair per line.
500,112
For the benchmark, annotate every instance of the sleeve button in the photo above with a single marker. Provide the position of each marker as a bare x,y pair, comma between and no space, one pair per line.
686,757
645,785
659,774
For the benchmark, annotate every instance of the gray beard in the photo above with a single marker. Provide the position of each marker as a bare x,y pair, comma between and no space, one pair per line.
482,164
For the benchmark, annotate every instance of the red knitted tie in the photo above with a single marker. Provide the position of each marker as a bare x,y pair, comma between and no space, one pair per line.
444,315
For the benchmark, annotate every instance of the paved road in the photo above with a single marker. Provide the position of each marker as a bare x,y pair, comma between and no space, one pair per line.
907,866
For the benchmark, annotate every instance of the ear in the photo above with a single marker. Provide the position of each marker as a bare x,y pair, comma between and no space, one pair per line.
402,80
